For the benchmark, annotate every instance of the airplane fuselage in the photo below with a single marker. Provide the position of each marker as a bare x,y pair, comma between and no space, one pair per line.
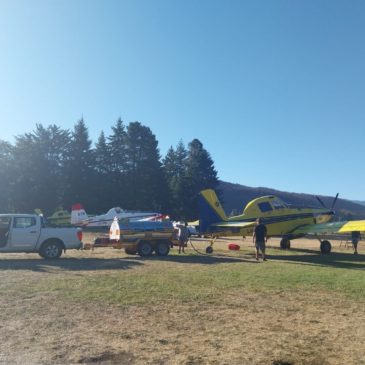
280,218
283,221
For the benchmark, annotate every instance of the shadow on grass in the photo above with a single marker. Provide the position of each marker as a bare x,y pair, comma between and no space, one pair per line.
313,257
196,259
71,264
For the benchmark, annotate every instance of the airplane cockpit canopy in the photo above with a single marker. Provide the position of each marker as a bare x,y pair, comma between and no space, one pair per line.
265,204
115,210
278,204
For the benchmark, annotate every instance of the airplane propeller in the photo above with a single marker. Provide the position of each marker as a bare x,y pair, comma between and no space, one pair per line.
334,201
324,205
321,202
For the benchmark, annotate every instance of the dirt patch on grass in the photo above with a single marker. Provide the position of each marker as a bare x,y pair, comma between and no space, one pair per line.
243,328
238,326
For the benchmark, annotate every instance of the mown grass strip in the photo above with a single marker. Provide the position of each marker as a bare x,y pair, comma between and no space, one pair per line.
163,281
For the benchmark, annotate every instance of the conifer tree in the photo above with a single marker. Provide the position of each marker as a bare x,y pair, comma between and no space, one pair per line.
117,164
39,167
146,185
102,184
200,174
6,176
78,169
174,165
102,158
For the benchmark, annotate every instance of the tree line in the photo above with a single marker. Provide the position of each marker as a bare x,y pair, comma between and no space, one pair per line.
51,167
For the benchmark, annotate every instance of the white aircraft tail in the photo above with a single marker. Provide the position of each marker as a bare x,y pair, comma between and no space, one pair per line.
78,214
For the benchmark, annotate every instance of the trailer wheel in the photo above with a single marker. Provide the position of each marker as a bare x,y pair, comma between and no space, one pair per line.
130,251
51,250
145,248
162,248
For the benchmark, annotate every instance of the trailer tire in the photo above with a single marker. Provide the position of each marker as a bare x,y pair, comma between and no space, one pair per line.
130,251
51,249
145,249
162,248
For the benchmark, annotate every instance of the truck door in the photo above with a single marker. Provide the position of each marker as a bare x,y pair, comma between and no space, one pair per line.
4,231
24,232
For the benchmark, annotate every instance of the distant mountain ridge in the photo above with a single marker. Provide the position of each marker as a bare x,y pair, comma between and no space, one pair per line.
361,202
235,197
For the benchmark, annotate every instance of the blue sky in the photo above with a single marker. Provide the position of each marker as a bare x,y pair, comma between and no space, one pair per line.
273,89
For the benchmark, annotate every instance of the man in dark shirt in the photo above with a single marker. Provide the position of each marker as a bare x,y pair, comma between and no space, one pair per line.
355,238
260,237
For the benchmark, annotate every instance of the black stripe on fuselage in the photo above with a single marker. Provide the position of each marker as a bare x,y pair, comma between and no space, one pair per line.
268,221
278,219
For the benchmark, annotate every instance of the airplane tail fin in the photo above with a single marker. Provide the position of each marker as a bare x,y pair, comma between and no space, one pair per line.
78,214
210,210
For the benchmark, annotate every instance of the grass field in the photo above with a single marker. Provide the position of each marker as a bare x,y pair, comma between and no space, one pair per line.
105,307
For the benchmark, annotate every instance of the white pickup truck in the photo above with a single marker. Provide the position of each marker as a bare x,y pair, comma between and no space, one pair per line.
28,233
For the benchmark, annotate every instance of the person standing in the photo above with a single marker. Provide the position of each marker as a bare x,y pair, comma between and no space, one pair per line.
259,238
355,238
183,236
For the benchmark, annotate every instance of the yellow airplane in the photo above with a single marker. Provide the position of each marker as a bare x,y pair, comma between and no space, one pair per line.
280,219
60,217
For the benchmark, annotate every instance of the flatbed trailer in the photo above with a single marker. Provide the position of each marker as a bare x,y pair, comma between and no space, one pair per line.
143,239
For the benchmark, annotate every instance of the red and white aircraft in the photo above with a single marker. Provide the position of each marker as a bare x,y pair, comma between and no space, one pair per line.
79,216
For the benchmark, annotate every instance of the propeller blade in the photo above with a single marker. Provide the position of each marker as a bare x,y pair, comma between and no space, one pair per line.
334,201
321,202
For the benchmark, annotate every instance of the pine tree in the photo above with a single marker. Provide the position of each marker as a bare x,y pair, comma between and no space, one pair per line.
174,165
39,166
79,170
146,185
102,184
200,174
102,156
6,176
117,150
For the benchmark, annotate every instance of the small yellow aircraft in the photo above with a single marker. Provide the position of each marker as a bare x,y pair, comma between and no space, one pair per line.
281,220
60,217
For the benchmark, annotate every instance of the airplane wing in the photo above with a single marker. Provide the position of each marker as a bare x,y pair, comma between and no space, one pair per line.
234,224
334,227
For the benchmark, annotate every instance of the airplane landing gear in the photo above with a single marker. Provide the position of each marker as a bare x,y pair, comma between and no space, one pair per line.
209,248
325,247
285,244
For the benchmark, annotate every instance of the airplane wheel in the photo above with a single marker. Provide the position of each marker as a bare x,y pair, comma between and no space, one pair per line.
209,249
326,247
284,244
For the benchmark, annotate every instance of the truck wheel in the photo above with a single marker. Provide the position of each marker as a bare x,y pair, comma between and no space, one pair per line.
130,251
145,248
162,248
51,250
